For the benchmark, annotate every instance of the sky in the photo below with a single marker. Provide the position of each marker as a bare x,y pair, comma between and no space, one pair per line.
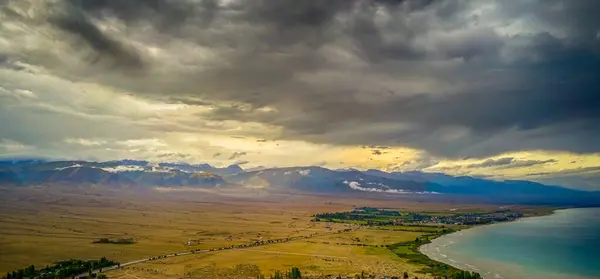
488,88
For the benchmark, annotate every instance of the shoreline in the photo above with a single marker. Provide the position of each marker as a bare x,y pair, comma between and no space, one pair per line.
490,267
475,268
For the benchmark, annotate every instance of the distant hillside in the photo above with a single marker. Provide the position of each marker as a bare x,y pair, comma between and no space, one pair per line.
125,173
83,175
233,169
322,180
8,177
175,178
114,174
501,191
189,168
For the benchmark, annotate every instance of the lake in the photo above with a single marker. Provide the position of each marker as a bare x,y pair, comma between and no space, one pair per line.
563,245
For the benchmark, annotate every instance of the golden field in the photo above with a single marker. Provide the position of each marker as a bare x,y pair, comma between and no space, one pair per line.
313,258
42,225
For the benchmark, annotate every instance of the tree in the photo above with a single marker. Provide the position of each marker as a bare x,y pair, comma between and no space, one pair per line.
295,273
277,275
30,271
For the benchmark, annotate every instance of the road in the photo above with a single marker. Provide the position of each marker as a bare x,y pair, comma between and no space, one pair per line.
234,247
297,254
140,261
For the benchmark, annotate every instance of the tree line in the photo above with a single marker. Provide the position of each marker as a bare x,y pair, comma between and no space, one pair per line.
295,273
62,269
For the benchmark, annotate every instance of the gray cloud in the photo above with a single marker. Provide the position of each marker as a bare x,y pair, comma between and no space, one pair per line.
582,178
102,44
174,157
236,155
422,162
492,163
433,75
529,163
509,162
7,63
577,171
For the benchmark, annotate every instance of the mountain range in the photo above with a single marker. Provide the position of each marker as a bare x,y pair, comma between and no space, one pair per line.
134,173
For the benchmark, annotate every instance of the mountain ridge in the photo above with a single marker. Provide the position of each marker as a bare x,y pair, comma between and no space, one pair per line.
309,179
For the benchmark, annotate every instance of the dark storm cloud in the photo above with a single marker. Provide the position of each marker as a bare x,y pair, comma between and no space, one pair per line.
105,46
434,75
578,18
166,15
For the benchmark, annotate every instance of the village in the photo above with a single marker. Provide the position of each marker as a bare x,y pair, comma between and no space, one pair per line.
381,217
463,219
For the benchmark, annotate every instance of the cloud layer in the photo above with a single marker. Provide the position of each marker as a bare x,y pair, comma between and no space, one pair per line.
451,79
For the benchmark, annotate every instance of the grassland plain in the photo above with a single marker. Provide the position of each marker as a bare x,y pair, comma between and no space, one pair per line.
312,258
45,224
369,237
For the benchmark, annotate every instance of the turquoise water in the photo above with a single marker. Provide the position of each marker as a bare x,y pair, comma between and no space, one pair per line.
565,244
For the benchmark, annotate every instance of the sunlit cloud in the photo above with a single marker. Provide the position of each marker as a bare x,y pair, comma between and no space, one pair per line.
501,89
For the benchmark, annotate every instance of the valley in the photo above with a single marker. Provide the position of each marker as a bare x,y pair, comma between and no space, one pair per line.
45,224
176,220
